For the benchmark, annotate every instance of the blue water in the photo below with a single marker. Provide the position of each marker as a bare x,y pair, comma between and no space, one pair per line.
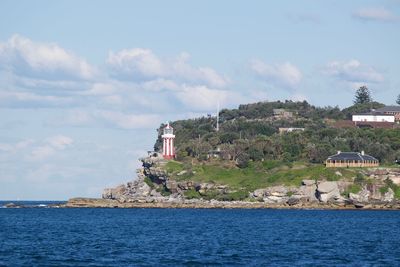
31,204
175,237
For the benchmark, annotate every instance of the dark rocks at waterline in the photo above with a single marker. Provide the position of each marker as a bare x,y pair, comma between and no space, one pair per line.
12,205
31,204
293,201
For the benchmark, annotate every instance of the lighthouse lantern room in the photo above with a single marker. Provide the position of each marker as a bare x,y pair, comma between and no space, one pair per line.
168,142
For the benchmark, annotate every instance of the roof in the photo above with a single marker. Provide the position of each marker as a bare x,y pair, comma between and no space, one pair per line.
351,156
389,109
373,114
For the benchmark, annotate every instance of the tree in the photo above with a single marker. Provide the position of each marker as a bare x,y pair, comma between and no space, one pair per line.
398,100
362,95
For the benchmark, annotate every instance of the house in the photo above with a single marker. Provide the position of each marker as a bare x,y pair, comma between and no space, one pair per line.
351,159
373,117
390,110
289,130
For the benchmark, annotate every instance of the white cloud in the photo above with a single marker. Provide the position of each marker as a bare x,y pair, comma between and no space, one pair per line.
41,153
50,147
137,61
376,14
353,71
159,85
142,64
28,99
129,121
14,148
6,147
112,100
60,141
101,89
47,61
201,97
78,117
281,75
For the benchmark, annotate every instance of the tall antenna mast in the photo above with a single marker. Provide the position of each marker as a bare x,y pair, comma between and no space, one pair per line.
218,116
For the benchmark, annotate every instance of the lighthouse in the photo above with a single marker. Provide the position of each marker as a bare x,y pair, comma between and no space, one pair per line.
168,142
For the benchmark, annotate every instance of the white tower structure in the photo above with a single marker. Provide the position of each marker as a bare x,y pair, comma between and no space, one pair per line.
168,142
218,117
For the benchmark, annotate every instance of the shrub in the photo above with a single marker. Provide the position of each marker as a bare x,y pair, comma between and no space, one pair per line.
163,191
148,181
243,160
354,188
192,193
359,180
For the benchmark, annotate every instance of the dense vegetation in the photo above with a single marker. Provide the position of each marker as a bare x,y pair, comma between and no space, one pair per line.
251,134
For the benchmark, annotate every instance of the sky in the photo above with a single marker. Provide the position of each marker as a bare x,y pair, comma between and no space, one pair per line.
85,84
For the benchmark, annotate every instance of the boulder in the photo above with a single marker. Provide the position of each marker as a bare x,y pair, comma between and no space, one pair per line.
204,187
12,205
327,191
362,196
143,189
308,182
114,193
277,191
172,186
185,185
275,199
395,179
293,201
307,193
155,193
389,196
258,193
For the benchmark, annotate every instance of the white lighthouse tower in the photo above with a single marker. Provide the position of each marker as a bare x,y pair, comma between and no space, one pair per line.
168,142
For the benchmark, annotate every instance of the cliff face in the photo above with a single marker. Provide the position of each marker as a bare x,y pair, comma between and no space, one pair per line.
154,185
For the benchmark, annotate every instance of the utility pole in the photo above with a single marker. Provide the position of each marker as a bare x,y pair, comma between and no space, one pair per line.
218,116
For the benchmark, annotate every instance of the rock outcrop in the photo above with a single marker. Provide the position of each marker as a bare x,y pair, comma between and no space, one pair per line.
362,196
154,185
388,196
327,191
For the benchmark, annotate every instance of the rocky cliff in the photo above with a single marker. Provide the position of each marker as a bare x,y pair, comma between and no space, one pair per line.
154,185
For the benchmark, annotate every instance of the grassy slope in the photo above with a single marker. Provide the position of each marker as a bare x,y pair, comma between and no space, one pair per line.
257,175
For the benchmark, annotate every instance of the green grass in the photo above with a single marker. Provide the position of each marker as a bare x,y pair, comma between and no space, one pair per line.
354,188
163,191
174,167
384,189
149,182
395,188
258,175
192,193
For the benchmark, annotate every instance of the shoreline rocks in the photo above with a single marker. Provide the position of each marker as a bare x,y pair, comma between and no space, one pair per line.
292,203
155,188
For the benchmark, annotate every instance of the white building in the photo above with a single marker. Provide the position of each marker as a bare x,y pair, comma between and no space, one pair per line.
373,118
168,142
291,129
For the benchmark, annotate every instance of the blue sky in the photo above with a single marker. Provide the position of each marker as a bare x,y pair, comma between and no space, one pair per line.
84,84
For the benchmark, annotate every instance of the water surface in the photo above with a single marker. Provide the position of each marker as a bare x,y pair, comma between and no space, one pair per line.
174,237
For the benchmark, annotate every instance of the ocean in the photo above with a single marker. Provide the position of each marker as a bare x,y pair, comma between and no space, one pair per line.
194,237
